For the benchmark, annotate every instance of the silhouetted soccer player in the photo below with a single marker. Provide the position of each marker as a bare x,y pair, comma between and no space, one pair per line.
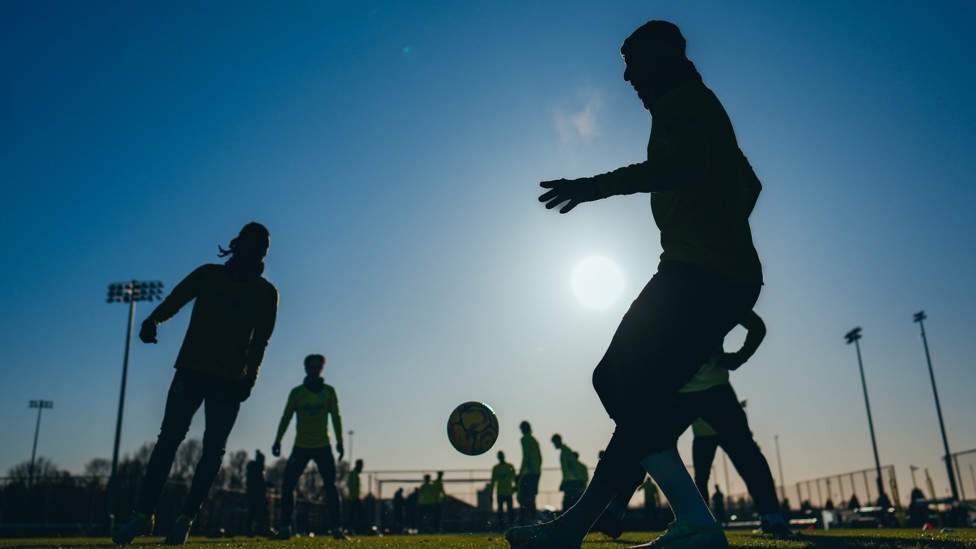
503,484
529,473
232,319
571,485
257,496
357,515
314,402
702,191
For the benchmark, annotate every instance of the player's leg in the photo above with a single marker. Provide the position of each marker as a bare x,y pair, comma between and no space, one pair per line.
325,463
297,461
726,415
220,409
182,402
499,516
703,448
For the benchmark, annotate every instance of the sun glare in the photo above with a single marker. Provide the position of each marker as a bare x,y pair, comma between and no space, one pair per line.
597,282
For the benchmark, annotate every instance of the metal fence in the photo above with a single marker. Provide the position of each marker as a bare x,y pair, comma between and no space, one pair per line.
964,464
857,488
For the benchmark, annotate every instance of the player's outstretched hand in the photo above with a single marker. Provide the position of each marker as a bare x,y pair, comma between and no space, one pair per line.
276,449
572,192
147,333
340,450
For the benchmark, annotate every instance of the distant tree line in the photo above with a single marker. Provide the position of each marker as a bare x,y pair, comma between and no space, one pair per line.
58,501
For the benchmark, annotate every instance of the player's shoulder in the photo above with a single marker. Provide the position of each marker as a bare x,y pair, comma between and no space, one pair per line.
329,389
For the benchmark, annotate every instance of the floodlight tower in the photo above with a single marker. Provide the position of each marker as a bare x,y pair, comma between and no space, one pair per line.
854,336
41,405
920,317
126,292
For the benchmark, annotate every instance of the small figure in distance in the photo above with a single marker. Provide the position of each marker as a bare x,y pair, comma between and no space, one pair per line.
503,484
439,495
529,473
233,317
571,485
702,191
426,504
257,496
357,515
314,402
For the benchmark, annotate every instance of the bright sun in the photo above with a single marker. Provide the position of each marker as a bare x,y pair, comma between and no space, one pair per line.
597,282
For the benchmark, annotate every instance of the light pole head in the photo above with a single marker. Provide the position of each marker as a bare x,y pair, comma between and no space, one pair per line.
41,404
853,335
126,292
919,316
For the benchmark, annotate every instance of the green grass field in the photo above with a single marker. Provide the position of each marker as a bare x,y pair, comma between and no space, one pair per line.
833,539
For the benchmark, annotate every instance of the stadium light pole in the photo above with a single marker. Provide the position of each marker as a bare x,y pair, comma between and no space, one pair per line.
920,317
854,336
126,292
779,465
41,405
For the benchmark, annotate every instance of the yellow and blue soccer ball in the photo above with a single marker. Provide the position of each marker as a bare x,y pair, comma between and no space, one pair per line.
472,428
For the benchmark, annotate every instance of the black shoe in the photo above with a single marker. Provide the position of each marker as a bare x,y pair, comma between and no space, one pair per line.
608,525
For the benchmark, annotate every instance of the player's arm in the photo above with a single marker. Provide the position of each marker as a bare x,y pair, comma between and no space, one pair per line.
680,157
283,424
755,333
263,328
182,293
336,423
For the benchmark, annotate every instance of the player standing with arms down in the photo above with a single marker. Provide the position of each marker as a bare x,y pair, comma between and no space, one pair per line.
232,320
702,192
503,483
313,402
529,473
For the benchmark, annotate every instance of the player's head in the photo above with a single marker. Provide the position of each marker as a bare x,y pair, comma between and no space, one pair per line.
258,456
526,428
601,454
653,51
250,247
501,456
557,440
314,364
359,465
440,475
427,478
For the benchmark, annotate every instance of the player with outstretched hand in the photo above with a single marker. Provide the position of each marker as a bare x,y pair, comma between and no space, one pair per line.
232,320
702,191
313,402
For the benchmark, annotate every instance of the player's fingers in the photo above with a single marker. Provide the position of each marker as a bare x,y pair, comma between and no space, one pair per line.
551,184
569,206
546,197
555,202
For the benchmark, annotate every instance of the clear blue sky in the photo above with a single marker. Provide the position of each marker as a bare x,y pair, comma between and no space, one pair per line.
394,149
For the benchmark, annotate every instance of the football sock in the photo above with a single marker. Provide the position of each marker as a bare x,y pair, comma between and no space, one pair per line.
772,518
581,516
671,476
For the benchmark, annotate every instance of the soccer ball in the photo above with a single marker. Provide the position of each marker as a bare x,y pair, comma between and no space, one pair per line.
472,428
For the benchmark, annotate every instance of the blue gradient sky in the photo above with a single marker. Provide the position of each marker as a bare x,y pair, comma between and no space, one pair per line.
394,149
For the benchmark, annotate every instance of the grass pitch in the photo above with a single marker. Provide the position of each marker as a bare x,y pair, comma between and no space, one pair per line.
964,538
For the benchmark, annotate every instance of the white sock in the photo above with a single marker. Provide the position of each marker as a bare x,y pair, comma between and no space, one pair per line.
581,516
671,476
